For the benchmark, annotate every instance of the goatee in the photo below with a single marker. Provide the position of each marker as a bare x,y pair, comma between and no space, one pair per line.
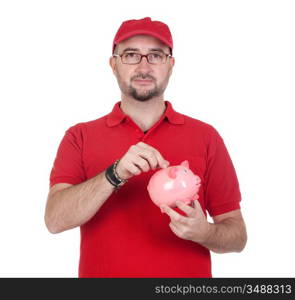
147,95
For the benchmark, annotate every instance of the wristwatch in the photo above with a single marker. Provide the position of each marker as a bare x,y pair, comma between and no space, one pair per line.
113,177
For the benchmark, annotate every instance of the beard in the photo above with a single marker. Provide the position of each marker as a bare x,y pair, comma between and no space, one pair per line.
141,95
145,95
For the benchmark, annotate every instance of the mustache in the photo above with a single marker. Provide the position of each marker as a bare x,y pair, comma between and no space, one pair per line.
143,76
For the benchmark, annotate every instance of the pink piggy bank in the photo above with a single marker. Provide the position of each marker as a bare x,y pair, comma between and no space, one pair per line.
174,183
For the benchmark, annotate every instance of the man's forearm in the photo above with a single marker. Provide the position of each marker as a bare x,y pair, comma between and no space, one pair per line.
75,205
227,236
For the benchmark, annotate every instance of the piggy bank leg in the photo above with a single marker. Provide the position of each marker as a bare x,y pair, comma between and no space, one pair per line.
187,201
195,197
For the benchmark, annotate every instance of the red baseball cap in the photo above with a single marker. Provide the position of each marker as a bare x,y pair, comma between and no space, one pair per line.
146,26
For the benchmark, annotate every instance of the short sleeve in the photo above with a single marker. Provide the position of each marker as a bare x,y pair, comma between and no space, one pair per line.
222,192
68,163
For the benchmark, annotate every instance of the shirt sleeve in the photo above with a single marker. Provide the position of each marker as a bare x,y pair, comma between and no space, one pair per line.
68,164
222,192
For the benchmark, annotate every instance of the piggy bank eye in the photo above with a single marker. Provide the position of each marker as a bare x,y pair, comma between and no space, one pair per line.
185,170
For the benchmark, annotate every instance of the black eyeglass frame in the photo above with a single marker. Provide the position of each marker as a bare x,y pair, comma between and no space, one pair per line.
141,56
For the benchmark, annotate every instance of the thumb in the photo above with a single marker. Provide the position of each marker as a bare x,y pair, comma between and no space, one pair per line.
197,205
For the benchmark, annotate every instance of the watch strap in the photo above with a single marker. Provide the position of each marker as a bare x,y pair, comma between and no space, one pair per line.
113,177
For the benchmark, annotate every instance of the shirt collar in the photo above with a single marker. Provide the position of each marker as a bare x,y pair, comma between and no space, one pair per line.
116,116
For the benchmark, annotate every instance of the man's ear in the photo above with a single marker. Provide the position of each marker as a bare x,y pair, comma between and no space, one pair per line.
172,63
112,63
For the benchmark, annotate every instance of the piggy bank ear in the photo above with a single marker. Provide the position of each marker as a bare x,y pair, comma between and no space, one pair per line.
172,172
185,164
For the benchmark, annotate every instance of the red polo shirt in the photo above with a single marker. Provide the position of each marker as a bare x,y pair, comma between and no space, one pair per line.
129,236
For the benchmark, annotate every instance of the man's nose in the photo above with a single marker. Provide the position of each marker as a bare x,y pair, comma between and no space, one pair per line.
143,65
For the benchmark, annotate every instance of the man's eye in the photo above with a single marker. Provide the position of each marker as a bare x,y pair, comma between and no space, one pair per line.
155,55
130,54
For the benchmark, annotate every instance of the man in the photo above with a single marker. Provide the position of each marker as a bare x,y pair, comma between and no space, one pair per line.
102,168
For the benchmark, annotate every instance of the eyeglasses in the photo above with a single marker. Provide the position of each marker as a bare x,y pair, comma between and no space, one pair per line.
133,58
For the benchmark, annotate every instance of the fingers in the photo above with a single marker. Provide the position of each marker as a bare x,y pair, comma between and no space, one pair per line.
145,159
190,211
139,158
175,229
132,168
153,156
197,206
174,216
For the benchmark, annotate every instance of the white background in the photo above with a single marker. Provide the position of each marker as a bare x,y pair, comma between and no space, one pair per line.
235,69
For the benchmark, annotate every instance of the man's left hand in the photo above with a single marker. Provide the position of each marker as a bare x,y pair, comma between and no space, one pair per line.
194,226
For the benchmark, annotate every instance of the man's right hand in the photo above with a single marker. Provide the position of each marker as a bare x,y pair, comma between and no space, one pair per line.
140,158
